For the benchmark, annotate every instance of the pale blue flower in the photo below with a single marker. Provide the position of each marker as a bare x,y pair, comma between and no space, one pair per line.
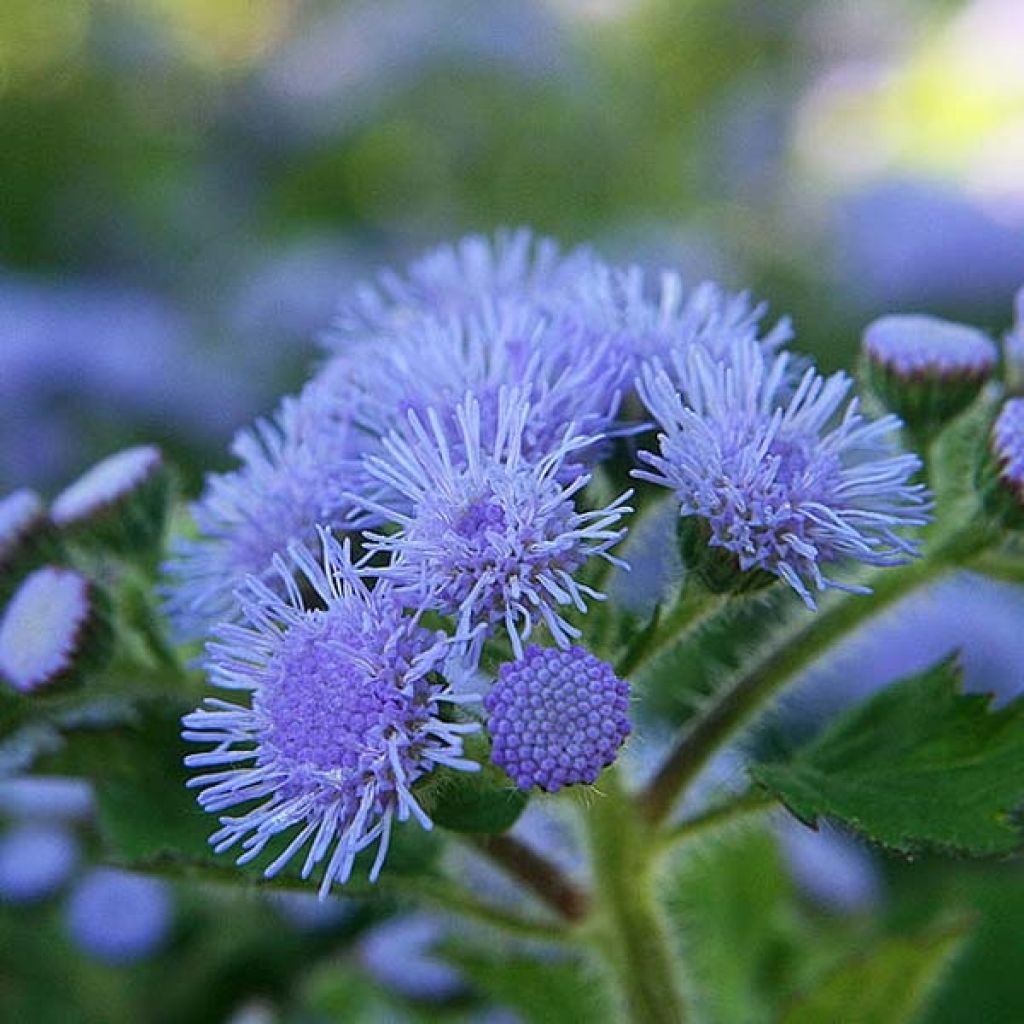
485,533
294,473
345,715
458,279
788,481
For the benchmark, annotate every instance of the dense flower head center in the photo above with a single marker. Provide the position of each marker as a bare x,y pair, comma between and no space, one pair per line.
322,710
557,718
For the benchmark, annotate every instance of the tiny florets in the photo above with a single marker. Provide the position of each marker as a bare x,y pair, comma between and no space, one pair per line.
345,716
293,475
1008,446
484,533
465,277
571,374
787,481
662,319
556,718
912,345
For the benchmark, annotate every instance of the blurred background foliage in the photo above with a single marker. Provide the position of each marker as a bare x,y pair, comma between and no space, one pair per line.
186,187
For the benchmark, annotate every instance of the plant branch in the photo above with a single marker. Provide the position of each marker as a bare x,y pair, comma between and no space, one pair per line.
751,802
629,931
739,702
695,606
544,879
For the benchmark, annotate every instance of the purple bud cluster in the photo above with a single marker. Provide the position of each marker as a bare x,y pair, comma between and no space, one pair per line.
557,718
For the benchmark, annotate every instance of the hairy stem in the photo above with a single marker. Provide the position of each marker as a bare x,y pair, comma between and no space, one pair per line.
695,606
752,802
739,702
628,928
544,879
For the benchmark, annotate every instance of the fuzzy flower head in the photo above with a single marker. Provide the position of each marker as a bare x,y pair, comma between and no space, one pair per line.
293,473
570,372
662,319
556,718
485,534
453,280
786,481
345,716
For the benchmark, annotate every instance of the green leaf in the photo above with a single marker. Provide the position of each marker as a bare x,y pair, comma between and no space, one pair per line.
478,802
746,947
540,991
920,765
891,984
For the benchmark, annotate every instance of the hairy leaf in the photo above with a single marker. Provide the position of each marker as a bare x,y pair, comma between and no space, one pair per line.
541,992
891,984
920,765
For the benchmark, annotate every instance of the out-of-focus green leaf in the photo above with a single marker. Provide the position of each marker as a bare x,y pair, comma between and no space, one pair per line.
732,907
540,991
890,984
482,802
920,765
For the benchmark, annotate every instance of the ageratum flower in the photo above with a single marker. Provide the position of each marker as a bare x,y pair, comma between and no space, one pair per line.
925,369
786,481
54,631
570,372
453,280
295,470
663,319
345,716
556,718
484,533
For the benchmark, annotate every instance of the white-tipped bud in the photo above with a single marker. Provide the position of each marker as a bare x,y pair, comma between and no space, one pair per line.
54,631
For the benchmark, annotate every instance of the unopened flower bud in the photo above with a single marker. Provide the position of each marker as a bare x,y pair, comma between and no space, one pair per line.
55,630
27,539
1002,482
925,369
121,504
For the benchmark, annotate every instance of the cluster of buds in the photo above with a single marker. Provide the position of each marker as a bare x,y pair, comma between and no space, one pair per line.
56,612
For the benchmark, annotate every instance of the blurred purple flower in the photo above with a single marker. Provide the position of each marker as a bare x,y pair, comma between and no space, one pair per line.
977,616
905,242
832,868
119,918
36,859
399,955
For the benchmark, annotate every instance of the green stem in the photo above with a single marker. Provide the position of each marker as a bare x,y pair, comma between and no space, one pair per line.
752,802
440,892
627,928
695,606
749,691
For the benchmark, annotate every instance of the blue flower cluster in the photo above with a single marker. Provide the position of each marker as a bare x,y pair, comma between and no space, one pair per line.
467,435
